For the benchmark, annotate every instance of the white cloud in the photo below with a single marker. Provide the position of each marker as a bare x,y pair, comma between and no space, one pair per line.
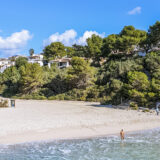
86,35
134,11
14,43
68,38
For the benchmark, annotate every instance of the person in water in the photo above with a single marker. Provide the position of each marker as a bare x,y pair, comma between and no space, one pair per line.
122,134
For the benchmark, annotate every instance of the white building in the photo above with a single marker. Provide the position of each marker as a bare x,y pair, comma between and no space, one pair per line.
38,58
5,63
61,63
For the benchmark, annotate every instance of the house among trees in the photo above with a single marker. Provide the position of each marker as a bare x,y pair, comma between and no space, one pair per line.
61,63
5,63
36,58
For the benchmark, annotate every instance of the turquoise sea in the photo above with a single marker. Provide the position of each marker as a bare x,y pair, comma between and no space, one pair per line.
137,146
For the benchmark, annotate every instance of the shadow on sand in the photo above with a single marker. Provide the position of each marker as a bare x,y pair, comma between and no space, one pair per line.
100,105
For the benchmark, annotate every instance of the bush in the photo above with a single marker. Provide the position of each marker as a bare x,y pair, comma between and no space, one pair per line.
47,92
52,98
4,103
133,106
39,98
92,93
34,96
75,94
57,97
61,96
104,101
146,110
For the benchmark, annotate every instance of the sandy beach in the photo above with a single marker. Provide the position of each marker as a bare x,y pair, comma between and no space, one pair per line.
33,120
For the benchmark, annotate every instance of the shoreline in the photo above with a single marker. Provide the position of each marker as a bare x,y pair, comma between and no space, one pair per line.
48,140
40,121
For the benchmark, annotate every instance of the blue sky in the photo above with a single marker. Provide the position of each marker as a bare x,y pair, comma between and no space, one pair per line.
26,24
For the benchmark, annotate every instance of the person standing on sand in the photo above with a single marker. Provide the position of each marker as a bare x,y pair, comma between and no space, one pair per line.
122,134
157,111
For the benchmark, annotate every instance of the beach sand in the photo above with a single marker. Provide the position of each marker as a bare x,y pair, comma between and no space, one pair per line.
33,120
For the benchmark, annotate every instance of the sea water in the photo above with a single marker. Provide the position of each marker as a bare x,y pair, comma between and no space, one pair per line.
136,146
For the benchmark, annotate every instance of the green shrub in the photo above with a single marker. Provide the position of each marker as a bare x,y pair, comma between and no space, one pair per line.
75,94
133,106
52,98
57,97
35,96
146,110
105,100
67,98
4,103
39,98
61,96
47,92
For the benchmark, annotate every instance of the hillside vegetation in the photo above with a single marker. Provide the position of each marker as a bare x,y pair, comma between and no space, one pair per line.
118,68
